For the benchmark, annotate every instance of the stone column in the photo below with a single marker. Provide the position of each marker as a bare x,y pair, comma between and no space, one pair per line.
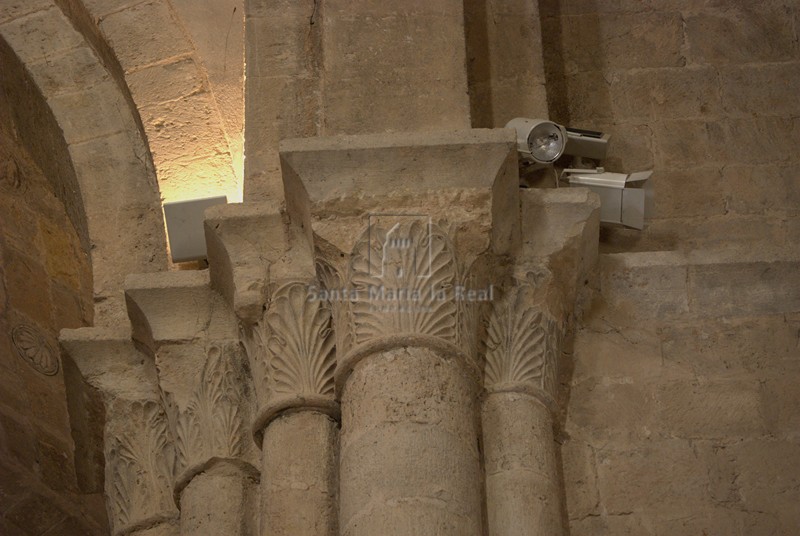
409,454
216,486
523,492
299,488
409,461
291,352
220,500
400,221
203,379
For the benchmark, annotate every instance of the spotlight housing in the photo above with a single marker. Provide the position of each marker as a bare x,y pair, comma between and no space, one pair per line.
584,143
538,140
625,199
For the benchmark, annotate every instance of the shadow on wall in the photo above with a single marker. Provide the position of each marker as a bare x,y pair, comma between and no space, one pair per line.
33,124
479,68
553,55
46,284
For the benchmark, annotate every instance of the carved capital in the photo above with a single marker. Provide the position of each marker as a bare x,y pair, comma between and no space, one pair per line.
206,390
136,442
292,353
139,466
523,344
404,281
399,220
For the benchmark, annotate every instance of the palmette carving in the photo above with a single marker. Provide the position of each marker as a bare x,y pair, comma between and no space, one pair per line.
300,344
468,313
254,339
522,343
332,282
403,281
139,467
211,424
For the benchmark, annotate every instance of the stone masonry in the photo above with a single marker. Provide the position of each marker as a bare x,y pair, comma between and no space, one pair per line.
389,335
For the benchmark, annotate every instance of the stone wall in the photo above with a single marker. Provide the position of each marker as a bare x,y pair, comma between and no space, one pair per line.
681,415
45,285
702,92
505,66
182,61
324,68
74,115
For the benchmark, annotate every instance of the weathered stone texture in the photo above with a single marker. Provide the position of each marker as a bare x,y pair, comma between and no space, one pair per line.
146,43
505,67
298,449
741,33
185,76
415,79
219,501
680,399
45,285
519,459
409,446
688,88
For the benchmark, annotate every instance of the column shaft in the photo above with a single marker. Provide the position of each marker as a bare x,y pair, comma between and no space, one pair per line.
298,476
522,490
219,501
409,452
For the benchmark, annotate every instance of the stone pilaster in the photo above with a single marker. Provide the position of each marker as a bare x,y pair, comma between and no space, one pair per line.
282,86
393,66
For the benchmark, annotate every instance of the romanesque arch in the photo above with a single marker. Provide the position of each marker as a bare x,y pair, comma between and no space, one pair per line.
108,181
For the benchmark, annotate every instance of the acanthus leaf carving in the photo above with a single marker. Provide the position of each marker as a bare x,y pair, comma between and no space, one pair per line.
139,466
522,342
301,342
480,274
211,423
403,279
254,339
333,283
